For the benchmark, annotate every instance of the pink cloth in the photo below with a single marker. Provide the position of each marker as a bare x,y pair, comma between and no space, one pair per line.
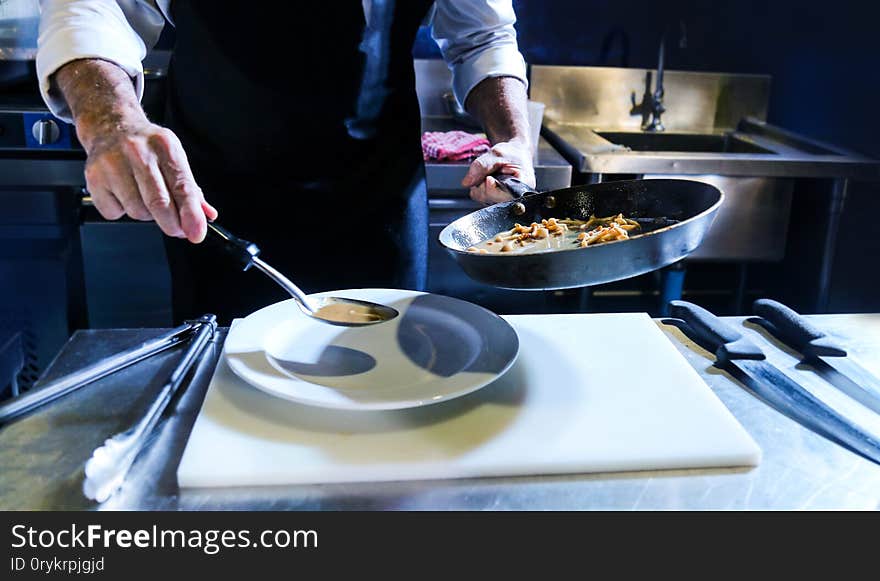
452,145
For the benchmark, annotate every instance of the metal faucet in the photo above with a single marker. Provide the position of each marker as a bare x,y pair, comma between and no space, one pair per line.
651,107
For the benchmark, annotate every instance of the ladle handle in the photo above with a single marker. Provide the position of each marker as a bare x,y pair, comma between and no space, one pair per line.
242,250
247,253
285,283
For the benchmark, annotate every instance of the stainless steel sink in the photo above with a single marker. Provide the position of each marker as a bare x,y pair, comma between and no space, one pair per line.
714,125
715,131
753,148
684,142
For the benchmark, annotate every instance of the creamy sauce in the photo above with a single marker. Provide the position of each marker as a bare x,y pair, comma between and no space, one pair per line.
348,313
565,240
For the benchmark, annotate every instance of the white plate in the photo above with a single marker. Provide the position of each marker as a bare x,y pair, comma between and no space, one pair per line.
437,349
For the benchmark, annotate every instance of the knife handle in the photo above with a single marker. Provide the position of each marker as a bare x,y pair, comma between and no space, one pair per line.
240,249
797,331
727,342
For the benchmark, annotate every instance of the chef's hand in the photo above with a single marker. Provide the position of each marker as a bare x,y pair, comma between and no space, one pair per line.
140,169
511,158
134,167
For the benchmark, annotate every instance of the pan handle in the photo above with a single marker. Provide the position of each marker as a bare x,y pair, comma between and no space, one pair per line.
514,186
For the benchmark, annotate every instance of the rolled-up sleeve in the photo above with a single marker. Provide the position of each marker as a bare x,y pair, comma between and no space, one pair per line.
478,41
77,29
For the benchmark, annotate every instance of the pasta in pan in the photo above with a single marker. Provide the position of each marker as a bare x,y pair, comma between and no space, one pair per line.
557,234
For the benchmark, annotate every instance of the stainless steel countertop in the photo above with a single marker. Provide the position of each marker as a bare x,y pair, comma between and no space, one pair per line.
42,456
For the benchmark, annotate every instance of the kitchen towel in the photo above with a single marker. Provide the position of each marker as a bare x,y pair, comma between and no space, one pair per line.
453,145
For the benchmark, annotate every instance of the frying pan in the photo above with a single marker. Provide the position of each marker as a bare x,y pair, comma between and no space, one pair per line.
674,214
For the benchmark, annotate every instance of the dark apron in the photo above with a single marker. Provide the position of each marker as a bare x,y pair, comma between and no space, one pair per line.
304,133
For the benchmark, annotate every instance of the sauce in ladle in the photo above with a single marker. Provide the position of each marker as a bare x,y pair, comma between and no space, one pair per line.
348,313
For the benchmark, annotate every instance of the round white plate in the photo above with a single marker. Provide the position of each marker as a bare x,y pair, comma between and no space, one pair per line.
437,349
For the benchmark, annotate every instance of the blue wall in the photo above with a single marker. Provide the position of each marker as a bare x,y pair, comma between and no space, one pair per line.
823,57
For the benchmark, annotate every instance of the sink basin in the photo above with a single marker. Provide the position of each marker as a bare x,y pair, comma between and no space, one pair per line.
683,142
754,148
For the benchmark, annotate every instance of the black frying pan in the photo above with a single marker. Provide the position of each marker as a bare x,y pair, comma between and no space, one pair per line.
674,214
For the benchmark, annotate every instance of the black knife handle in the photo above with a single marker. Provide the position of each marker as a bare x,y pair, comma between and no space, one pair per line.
797,331
514,186
241,250
727,342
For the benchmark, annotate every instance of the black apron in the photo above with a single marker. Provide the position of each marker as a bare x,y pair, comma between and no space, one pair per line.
302,127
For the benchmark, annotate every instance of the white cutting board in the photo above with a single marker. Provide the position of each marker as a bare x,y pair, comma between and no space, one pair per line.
588,393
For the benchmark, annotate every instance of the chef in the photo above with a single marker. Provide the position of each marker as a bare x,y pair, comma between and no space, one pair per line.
299,130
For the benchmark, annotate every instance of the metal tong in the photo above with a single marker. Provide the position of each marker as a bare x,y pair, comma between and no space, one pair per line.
31,401
109,464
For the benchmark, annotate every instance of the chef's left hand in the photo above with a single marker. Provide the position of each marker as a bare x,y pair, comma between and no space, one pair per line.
511,158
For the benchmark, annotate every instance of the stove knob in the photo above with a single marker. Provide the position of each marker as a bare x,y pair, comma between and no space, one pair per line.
46,131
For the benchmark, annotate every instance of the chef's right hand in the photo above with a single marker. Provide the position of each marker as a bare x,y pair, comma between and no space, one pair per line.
138,168
134,167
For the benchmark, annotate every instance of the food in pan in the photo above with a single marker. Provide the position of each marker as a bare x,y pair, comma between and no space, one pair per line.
557,234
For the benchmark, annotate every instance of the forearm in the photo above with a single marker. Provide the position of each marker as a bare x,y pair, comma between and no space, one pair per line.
134,167
500,104
101,98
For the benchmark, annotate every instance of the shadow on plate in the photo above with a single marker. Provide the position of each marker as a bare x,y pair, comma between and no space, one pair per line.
333,361
436,339
446,336
508,391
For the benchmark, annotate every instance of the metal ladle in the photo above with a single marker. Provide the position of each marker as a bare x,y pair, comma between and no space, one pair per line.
319,309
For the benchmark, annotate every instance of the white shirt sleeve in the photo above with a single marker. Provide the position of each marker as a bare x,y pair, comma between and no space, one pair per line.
118,32
478,41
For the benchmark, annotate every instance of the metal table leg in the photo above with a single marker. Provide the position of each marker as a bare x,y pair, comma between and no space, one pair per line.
835,211
671,286
739,298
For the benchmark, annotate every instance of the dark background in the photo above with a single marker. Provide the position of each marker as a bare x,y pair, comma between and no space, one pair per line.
822,57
